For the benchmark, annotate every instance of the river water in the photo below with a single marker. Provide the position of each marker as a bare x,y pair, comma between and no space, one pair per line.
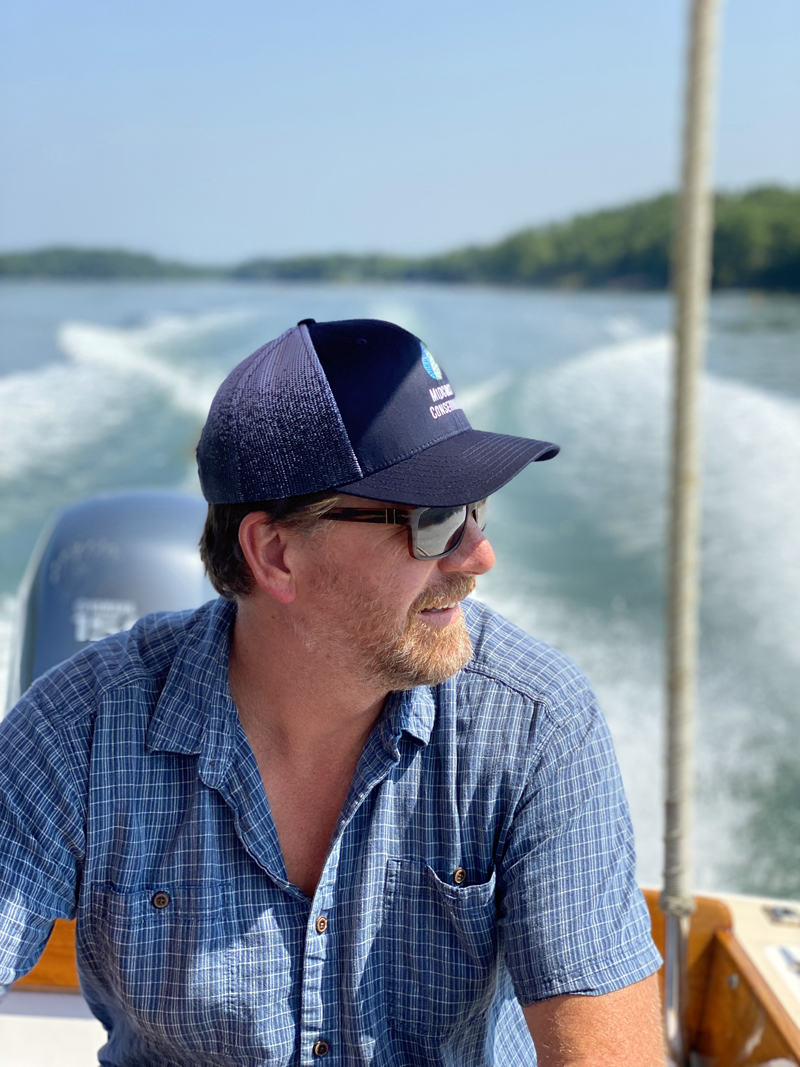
107,386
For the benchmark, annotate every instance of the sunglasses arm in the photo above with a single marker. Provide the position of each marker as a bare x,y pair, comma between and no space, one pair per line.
390,516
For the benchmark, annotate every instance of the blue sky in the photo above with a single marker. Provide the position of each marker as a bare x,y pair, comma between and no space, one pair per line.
214,132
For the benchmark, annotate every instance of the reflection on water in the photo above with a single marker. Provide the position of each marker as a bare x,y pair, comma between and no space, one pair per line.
107,386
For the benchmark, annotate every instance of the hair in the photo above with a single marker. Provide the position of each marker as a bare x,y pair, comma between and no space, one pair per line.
220,551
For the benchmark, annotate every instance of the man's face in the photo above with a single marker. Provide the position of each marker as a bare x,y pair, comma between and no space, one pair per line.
395,621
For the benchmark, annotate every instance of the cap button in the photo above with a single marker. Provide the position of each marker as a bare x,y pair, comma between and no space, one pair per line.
307,322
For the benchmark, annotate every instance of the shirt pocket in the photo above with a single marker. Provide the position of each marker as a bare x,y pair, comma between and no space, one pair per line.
440,949
162,953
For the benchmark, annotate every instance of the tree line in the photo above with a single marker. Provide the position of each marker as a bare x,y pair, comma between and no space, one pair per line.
756,246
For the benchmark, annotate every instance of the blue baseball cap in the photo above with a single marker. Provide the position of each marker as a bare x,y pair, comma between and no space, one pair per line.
360,406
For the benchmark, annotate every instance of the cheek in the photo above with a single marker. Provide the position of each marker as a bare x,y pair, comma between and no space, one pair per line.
368,564
387,592
415,587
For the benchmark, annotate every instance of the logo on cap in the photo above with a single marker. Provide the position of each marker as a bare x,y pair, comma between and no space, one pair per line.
430,364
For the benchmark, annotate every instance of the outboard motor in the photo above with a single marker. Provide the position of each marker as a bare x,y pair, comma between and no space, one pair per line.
103,564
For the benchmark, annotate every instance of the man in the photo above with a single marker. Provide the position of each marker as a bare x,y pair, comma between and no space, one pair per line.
340,813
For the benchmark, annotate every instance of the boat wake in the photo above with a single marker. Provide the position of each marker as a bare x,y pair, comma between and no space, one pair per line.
124,408
595,590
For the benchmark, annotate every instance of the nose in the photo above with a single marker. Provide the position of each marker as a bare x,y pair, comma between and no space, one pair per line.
473,556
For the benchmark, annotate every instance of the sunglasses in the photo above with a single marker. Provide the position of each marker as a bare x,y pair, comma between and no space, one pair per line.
433,532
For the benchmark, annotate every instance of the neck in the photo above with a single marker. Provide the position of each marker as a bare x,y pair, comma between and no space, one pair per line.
290,694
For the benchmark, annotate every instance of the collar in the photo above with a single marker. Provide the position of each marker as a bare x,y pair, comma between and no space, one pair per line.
195,714
410,711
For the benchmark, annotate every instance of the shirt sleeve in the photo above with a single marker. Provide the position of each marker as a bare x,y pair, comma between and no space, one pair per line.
572,916
42,835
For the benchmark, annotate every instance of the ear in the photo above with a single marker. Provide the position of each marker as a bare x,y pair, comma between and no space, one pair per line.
264,547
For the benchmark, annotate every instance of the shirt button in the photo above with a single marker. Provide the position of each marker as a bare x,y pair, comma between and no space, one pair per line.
459,875
321,1048
160,900
321,924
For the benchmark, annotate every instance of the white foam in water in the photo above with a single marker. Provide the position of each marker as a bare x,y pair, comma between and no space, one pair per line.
127,352
612,407
60,409
609,406
54,411
623,327
475,398
609,409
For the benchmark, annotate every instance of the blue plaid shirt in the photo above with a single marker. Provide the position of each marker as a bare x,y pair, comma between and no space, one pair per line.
483,858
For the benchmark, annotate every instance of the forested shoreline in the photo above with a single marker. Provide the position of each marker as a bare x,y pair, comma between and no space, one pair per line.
756,246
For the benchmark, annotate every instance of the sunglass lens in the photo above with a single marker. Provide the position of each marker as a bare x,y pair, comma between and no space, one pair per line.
481,513
439,530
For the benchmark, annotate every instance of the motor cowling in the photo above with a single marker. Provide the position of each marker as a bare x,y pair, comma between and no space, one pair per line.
100,566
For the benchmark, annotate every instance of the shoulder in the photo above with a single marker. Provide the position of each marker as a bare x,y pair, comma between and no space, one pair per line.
523,705
507,659
138,659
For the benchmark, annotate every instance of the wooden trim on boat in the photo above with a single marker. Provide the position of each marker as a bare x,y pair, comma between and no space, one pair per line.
743,1021
57,969
711,915
734,1017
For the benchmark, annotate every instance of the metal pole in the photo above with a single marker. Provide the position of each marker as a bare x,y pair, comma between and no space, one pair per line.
691,285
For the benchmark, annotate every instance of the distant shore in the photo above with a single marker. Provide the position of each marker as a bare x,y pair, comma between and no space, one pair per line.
756,246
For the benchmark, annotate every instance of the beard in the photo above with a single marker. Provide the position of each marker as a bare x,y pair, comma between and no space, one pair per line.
387,652
422,654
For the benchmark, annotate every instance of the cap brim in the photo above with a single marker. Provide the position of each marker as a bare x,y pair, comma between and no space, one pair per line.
460,470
